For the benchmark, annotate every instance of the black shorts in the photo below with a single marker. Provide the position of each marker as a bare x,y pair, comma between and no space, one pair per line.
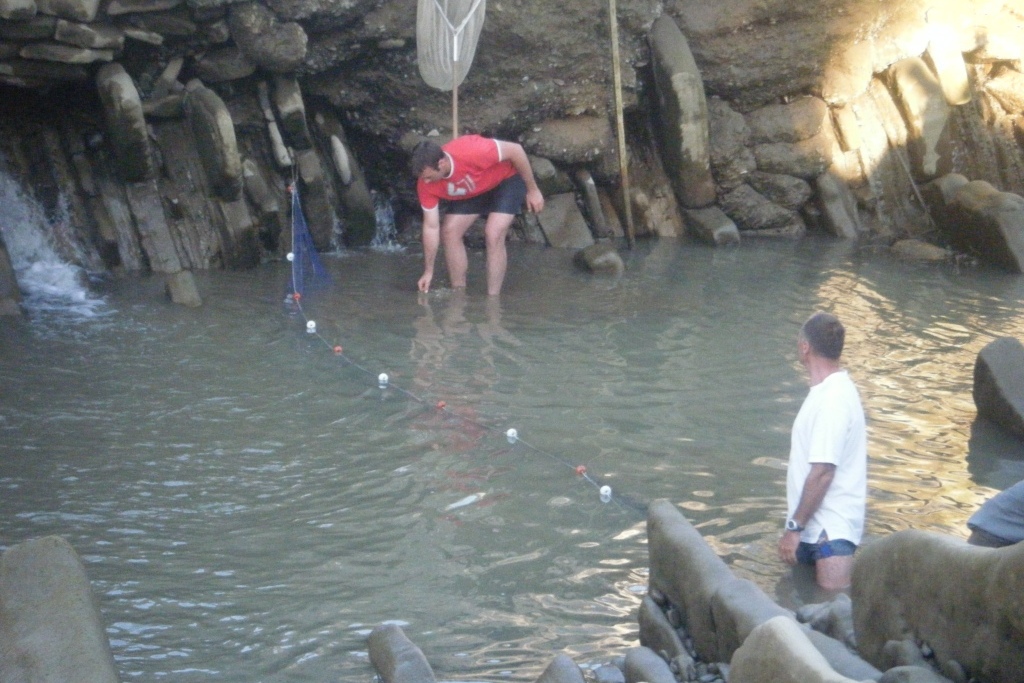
507,197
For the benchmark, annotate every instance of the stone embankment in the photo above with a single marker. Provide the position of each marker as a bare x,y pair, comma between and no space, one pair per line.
173,128
924,608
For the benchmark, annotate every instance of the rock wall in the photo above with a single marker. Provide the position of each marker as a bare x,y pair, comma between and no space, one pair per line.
174,126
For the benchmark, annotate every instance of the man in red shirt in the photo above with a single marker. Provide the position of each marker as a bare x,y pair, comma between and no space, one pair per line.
475,176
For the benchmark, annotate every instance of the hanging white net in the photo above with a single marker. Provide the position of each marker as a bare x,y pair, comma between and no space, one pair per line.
446,35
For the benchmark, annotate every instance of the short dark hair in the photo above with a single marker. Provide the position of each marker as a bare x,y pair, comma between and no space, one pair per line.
425,154
825,334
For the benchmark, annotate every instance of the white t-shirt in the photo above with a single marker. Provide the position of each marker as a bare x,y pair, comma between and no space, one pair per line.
830,429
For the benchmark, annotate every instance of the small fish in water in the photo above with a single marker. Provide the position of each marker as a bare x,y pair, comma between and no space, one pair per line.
468,500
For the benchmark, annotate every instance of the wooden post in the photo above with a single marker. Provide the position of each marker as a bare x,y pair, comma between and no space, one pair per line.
613,17
455,108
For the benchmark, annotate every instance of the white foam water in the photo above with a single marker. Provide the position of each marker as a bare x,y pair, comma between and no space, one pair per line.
47,281
384,237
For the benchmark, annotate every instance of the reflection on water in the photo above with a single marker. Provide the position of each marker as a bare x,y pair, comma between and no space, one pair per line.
250,504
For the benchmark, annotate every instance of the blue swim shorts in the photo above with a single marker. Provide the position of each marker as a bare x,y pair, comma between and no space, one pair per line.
809,553
507,197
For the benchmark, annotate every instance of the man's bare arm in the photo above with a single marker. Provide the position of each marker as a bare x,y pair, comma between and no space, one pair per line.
431,241
815,487
515,153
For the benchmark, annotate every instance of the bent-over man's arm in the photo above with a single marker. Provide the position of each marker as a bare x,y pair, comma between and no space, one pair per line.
431,240
515,153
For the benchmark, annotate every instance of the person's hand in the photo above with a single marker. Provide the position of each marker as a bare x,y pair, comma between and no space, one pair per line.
424,282
534,200
787,547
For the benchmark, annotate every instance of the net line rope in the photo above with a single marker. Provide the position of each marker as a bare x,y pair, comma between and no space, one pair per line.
442,406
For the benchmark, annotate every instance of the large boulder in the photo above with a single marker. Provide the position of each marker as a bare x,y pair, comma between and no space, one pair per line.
155,236
787,191
656,632
757,215
683,113
712,225
576,141
988,223
278,47
292,110
644,665
50,627
563,223
965,602
561,670
17,10
1008,89
999,384
98,36
777,651
601,257
317,196
215,140
939,196
353,190
729,139
223,64
181,289
396,658
920,97
798,120
75,10
838,206
948,61
10,295
126,124
806,158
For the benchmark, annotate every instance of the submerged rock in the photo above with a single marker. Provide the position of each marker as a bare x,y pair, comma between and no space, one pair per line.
396,658
919,250
999,384
600,258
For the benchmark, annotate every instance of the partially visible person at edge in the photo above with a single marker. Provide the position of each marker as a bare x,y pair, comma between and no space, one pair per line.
999,521
475,176
826,485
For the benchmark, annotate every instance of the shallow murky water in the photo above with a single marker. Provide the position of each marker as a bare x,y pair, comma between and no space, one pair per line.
249,503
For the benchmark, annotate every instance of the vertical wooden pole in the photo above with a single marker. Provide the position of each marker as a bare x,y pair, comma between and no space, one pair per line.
455,109
613,16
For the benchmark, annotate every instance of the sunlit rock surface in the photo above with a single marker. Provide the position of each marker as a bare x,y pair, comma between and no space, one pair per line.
966,603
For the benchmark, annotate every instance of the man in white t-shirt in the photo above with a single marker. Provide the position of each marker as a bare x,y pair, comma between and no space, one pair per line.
826,484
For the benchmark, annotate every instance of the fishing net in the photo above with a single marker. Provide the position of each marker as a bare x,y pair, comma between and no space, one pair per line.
305,261
446,36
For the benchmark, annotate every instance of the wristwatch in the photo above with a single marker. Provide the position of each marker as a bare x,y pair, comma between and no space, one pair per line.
791,525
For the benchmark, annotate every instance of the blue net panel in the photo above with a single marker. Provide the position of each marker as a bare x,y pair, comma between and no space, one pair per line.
307,270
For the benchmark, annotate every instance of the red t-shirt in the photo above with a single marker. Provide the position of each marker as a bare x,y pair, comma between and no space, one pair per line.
477,167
